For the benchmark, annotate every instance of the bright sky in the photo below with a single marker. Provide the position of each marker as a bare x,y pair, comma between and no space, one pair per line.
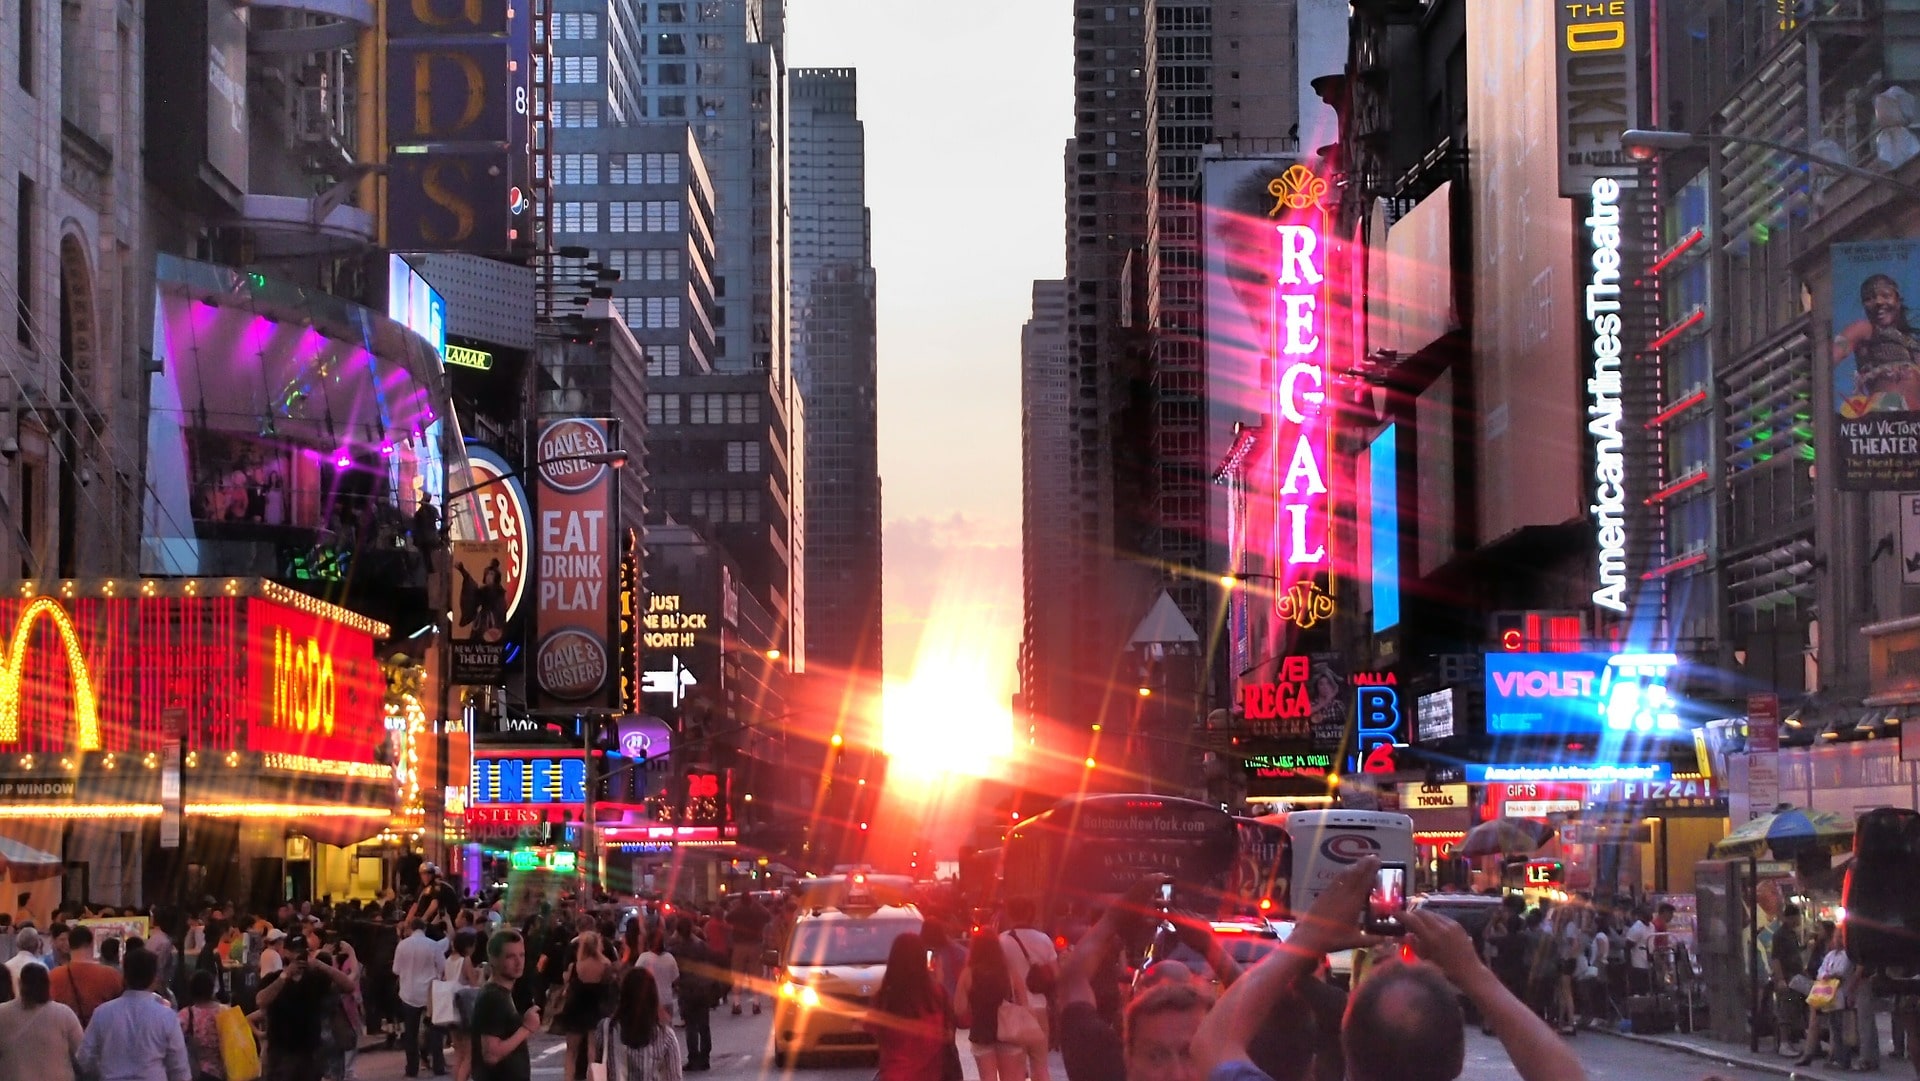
967,110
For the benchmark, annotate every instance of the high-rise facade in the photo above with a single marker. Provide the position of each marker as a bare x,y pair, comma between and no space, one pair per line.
835,365
714,68
1045,501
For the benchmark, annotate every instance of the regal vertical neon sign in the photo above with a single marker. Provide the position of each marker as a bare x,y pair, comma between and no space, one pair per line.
1299,324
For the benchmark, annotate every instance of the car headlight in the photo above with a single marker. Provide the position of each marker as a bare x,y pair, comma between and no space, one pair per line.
800,992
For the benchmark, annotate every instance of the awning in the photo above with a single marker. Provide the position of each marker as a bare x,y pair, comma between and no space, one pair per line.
22,863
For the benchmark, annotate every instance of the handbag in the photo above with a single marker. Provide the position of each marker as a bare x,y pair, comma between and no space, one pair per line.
1822,994
1015,1024
1040,978
238,1053
442,1010
597,1070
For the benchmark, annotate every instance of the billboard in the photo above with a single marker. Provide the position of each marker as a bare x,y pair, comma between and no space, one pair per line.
1296,772
97,671
227,91
1268,333
1599,89
495,509
573,655
1554,694
1875,358
457,124
480,611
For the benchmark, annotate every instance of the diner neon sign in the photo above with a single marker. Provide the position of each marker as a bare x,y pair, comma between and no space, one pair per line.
1302,385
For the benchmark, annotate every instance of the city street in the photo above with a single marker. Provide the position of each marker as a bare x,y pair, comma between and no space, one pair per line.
740,1055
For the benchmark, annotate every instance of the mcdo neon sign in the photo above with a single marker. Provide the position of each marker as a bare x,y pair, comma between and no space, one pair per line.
1302,386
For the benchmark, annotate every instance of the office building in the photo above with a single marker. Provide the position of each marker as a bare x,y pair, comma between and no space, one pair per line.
835,365
1046,557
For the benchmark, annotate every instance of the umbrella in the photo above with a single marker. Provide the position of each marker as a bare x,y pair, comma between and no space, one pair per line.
1505,837
23,864
1788,832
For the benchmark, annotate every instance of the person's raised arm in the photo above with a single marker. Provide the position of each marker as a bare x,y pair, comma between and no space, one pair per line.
1536,1052
1332,925
1083,958
1198,936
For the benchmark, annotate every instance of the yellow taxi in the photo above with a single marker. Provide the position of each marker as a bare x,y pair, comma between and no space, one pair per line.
833,962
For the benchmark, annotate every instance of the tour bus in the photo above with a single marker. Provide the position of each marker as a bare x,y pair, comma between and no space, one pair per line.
1086,850
1264,870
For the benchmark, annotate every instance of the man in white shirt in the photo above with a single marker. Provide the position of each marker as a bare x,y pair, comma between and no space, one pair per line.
26,951
1640,955
1028,949
417,962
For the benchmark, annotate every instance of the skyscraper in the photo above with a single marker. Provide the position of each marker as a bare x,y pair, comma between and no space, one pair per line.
834,353
716,67
1045,517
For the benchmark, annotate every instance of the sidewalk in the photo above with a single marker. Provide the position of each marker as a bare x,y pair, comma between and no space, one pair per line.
1765,1061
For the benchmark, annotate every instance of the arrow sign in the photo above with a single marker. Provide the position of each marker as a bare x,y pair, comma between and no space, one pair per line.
674,681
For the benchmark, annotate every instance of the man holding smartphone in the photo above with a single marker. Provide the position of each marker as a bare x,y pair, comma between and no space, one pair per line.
1403,1023
294,1000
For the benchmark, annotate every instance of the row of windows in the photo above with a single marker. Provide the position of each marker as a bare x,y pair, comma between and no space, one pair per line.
643,216
643,265
643,169
663,361
729,506
743,456
578,114
569,70
577,27
649,313
576,217
717,408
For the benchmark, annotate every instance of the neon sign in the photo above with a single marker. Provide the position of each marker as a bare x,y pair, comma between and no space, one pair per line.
1376,722
1562,693
303,686
477,359
1301,389
524,781
1305,604
1610,467
86,708
1478,773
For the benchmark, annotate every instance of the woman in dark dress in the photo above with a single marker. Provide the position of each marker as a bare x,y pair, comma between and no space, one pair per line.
589,987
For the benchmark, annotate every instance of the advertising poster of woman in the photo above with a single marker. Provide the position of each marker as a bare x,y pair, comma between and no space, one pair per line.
1876,364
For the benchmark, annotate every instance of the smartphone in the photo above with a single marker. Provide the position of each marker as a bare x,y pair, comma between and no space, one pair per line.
1166,894
1387,902
1328,842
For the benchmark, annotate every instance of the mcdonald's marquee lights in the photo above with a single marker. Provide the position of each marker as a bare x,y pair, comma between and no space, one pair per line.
250,666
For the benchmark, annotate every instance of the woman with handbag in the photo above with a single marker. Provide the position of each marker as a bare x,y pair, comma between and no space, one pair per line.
637,1043
588,989
911,1018
1816,956
995,1011
200,1024
1830,1000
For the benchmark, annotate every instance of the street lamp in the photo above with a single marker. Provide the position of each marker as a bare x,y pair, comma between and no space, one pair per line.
1642,144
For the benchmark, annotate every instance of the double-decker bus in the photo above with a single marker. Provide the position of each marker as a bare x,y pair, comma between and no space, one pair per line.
1086,850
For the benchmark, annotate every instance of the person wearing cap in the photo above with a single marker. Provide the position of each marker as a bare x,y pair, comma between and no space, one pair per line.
274,957
437,901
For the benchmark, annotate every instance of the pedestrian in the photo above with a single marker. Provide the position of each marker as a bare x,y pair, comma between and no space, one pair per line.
417,962
1640,953
299,1002
200,1024
26,951
135,1037
1568,948
500,1031
984,984
1543,963
637,1043
1591,981
83,983
590,986
911,1018
697,992
665,969
1033,964
1787,971
463,971
746,933
1814,1020
345,1013
39,1038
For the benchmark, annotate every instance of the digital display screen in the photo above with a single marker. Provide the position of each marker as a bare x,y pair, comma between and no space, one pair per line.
1579,693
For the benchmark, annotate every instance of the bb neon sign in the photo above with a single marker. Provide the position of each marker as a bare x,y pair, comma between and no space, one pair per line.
86,706
1301,390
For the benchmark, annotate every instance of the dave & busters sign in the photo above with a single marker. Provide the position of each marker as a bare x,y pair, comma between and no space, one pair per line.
574,500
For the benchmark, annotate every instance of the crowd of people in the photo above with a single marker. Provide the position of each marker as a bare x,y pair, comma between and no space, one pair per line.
455,983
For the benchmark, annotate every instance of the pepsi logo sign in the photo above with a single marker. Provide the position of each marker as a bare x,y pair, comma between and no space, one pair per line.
1349,847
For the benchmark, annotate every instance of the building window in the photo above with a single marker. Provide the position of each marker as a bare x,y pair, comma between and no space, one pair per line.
673,75
672,45
713,43
672,105
710,73
23,211
664,408
673,13
663,361
578,168
579,114
743,457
